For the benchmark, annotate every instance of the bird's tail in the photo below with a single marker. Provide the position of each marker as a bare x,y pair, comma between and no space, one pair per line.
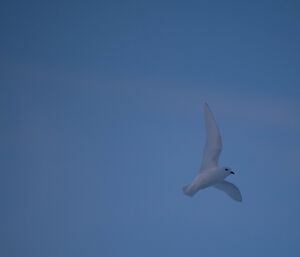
186,191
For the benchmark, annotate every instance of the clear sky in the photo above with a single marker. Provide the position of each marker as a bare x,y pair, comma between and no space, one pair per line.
101,118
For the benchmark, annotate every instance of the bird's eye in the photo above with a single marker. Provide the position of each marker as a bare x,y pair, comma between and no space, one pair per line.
226,169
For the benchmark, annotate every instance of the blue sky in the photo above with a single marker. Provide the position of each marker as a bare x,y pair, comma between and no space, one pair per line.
102,124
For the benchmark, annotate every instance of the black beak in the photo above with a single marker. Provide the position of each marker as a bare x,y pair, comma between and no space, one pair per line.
232,172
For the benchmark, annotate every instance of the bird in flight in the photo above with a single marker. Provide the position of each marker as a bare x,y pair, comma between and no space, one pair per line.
210,173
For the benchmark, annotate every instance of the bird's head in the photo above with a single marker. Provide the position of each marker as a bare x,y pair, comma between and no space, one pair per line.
227,171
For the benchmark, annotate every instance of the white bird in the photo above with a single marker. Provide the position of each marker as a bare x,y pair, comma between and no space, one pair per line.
210,174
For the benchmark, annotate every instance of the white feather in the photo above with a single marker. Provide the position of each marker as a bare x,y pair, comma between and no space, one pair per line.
210,174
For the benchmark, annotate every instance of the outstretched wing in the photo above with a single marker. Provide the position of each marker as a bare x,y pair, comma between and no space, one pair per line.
213,146
230,189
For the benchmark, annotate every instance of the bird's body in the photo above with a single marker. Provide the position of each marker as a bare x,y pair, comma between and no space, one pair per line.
205,179
210,174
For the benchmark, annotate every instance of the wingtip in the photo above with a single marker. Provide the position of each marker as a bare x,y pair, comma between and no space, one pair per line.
206,106
239,198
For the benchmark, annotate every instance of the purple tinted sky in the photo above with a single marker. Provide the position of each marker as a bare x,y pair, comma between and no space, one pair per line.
102,124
